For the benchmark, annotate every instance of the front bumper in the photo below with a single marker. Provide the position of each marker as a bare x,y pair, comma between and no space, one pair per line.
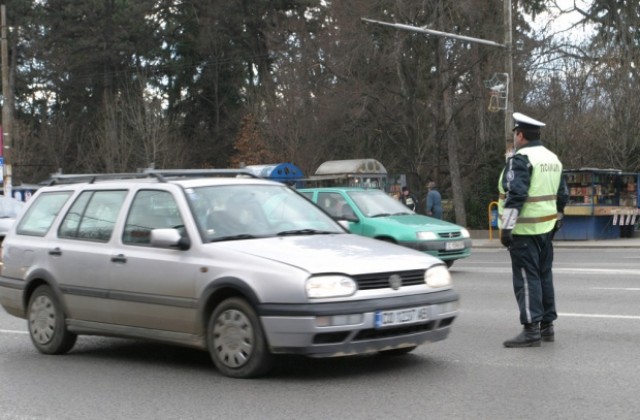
295,329
439,248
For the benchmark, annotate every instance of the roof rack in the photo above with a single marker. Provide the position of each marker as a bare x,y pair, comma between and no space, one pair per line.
160,174
200,173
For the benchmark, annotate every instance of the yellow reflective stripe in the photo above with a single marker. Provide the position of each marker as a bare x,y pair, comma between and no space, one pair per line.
537,219
541,198
534,199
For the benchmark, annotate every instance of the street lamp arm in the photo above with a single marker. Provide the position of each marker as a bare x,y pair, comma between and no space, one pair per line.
433,32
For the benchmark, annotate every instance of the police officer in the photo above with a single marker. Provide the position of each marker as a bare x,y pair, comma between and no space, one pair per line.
533,195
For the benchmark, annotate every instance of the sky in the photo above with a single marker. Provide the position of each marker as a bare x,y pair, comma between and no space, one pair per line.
560,22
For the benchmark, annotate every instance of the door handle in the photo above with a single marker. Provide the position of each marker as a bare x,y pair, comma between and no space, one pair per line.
56,252
120,258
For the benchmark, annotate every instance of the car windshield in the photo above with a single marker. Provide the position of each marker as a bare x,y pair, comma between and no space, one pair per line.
10,207
375,203
230,212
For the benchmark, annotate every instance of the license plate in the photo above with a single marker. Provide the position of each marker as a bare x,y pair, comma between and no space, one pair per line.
454,246
402,316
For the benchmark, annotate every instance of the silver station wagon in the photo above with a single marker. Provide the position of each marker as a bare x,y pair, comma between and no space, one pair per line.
241,267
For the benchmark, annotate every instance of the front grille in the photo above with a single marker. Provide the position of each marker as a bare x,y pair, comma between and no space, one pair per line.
381,280
329,338
451,253
372,333
450,235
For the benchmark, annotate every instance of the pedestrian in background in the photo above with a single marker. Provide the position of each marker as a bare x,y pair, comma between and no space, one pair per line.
532,200
409,199
433,204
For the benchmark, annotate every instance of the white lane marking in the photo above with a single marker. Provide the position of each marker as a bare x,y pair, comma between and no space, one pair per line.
556,270
635,272
576,315
626,289
13,332
600,316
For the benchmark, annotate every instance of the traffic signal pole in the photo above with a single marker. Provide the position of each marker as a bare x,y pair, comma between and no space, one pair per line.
7,104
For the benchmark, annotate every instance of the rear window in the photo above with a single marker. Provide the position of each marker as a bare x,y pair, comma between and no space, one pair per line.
93,216
42,212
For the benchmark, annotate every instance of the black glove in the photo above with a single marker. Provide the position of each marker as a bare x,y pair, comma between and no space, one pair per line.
557,226
506,238
558,223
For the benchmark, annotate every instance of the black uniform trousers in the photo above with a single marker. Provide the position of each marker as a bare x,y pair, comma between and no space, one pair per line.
531,262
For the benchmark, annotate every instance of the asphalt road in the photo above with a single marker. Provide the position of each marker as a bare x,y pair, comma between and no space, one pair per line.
590,372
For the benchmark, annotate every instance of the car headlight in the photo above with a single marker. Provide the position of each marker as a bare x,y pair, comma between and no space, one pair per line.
437,276
465,233
426,236
330,286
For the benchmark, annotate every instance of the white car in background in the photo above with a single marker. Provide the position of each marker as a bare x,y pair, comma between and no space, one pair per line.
10,208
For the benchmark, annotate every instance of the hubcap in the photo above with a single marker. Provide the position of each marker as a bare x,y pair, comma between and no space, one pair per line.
42,319
233,338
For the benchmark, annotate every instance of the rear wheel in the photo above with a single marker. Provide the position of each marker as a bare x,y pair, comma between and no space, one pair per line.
236,341
47,325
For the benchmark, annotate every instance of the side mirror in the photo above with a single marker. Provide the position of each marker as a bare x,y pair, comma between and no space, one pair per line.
349,218
344,224
169,238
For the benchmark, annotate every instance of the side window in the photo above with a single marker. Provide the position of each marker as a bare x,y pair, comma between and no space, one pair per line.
332,203
92,216
42,212
151,209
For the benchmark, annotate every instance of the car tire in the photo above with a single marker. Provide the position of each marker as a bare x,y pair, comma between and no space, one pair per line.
449,263
236,341
398,352
47,323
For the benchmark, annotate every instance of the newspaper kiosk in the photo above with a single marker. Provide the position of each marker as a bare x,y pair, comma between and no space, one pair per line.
363,173
602,204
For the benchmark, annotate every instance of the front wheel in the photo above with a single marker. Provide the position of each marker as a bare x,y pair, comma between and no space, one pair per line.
449,263
236,341
47,326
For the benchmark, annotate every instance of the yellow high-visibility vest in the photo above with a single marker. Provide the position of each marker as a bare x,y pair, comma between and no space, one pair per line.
539,213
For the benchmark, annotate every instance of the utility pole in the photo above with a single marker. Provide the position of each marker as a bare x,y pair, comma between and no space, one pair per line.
508,44
7,105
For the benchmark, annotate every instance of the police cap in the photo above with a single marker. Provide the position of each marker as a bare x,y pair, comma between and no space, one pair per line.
526,123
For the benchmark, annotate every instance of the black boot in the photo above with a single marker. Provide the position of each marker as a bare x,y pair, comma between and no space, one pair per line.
529,337
546,332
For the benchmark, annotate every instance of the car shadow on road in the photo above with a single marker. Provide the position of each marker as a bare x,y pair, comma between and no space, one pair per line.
301,367
286,366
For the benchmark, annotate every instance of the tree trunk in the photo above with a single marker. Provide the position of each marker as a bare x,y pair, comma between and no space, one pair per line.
451,136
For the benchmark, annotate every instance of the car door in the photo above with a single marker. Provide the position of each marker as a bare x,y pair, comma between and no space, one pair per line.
152,287
79,257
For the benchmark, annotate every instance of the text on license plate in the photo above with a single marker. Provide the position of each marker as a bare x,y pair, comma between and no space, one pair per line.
452,246
401,316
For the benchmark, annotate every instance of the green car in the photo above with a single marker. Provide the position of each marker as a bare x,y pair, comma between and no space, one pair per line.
373,213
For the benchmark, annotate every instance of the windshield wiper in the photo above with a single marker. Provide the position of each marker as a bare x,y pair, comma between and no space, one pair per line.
304,232
233,237
402,213
380,215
